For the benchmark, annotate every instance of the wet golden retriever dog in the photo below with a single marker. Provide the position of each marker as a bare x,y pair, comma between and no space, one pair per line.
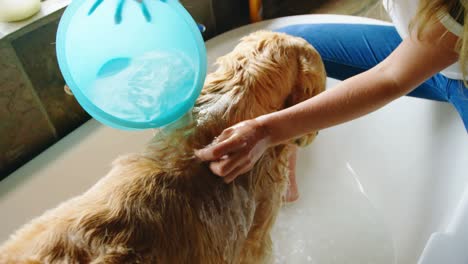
163,205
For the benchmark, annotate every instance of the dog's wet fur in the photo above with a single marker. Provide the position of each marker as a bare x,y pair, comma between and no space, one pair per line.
164,205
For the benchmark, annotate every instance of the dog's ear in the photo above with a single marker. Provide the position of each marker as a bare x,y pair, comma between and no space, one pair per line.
311,81
311,76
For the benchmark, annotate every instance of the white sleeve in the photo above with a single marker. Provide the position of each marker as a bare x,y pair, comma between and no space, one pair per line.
451,24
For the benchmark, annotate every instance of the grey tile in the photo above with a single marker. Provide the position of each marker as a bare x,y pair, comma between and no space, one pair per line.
366,8
202,11
24,128
36,51
230,14
294,7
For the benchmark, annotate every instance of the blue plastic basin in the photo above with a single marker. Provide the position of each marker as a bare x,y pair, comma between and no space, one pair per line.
143,70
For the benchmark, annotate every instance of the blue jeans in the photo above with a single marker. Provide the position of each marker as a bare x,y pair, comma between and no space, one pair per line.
349,49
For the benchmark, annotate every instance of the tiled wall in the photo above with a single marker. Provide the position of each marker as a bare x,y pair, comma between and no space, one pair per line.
35,112
25,129
36,52
365,8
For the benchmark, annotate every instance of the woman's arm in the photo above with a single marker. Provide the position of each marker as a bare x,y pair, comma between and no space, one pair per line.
412,62
238,148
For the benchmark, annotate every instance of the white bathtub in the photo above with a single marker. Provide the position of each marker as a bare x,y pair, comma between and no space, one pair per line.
373,190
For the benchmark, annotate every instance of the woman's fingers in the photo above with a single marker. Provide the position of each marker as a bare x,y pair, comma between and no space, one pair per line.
236,150
218,150
231,139
227,165
245,167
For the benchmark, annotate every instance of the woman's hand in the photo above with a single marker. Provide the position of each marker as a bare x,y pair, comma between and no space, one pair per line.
237,149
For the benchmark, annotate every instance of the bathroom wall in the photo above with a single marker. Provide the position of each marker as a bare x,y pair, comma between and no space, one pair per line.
365,8
35,112
218,15
24,128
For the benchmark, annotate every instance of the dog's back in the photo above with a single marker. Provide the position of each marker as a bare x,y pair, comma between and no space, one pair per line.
141,214
164,206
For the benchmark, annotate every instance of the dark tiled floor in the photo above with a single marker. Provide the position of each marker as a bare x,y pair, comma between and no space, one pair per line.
366,8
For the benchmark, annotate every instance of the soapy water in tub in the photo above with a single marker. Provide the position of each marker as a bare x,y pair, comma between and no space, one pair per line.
143,88
334,222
